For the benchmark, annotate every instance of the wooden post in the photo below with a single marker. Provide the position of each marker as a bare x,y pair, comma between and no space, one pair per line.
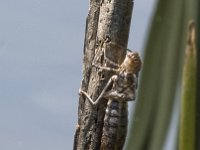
107,19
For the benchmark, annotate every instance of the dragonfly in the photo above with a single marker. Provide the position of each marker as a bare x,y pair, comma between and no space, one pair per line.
120,88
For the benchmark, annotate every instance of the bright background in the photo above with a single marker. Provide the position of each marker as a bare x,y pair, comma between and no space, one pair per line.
41,50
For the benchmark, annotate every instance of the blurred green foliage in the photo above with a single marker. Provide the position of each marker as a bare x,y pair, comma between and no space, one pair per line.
160,81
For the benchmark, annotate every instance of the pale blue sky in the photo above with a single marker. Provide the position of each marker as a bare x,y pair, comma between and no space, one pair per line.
41,44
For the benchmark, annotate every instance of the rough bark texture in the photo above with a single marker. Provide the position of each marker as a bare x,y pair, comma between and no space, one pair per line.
106,19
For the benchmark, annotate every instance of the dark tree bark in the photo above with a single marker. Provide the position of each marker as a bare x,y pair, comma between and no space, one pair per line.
107,19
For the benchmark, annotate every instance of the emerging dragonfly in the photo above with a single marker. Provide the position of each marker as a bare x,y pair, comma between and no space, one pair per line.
123,89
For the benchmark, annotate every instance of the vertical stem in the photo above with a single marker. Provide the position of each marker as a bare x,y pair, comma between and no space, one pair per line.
89,46
106,19
198,80
188,107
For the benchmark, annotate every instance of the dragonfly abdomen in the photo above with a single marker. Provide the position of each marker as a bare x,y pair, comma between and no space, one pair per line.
115,125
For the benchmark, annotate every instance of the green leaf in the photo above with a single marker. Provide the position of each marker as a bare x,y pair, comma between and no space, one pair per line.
188,103
198,82
161,74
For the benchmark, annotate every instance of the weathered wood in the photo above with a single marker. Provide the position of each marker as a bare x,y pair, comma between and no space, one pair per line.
106,19
89,46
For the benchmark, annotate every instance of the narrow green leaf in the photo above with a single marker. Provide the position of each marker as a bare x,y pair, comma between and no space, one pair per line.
188,107
198,82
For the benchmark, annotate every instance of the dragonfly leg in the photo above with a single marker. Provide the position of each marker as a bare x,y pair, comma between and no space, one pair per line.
106,68
102,93
87,96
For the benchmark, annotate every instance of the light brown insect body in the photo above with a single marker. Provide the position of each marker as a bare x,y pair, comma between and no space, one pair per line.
132,63
124,85
123,89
